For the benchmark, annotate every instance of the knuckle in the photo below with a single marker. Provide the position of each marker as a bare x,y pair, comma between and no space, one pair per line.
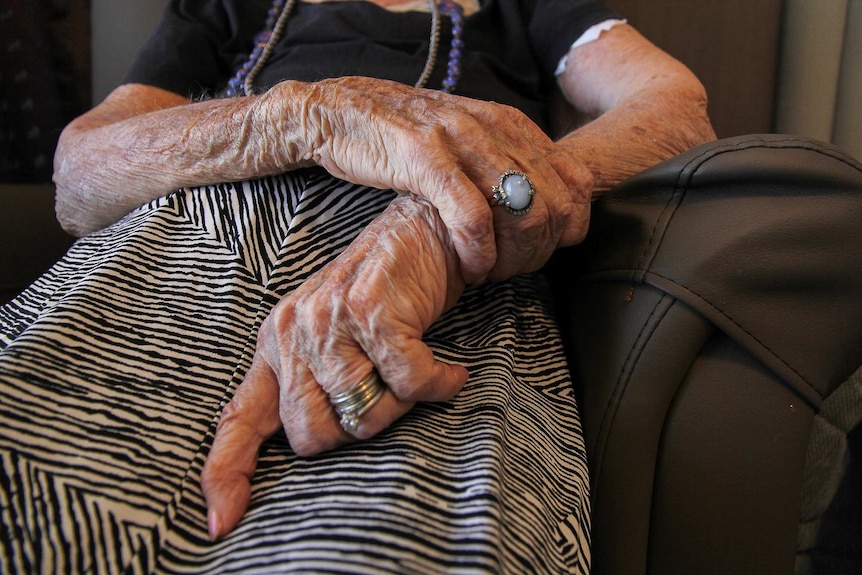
477,224
537,224
309,439
412,392
305,446
579,225
408,389
311,430
473,234
313,321
408,376
282,315
231,413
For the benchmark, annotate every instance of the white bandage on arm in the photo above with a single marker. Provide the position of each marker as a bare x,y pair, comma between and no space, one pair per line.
592,34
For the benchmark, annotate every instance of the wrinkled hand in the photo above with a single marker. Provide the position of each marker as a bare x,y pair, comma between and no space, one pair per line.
368,308
450,150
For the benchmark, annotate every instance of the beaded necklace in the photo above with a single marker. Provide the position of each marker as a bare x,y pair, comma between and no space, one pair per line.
279,13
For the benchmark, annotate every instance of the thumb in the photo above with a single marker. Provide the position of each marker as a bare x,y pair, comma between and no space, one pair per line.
246,422
413,373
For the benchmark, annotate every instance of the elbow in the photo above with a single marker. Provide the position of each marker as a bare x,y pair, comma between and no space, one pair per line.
690,100
684,111
69,185
67,217
701,126
67,212
70,206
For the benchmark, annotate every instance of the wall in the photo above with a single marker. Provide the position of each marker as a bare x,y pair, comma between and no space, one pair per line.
820,79
732,46
44,82
120,28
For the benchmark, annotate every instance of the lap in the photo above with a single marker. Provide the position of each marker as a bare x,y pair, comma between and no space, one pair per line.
117,363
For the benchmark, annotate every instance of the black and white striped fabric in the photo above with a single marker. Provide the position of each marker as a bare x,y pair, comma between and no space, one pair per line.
115,366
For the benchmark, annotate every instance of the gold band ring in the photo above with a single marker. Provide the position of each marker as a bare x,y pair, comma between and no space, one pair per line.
351,404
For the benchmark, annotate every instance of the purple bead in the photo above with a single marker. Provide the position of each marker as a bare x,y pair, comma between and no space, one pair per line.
452,9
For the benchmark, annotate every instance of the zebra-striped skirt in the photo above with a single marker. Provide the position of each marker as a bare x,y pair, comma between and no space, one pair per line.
115,366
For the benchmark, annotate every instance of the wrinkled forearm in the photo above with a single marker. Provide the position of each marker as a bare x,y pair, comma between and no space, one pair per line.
117,158
647,106
640,132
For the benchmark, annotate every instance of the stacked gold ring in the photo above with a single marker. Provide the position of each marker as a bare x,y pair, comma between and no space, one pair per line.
350,405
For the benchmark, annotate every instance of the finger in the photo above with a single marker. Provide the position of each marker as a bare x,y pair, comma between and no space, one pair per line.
409,375
412,372
247,421
577,225
309,420
380,416
467,215
389,407
526,241
405,388
523,242
312,425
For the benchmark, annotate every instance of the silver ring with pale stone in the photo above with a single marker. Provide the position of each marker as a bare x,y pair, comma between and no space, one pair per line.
514,192
350,405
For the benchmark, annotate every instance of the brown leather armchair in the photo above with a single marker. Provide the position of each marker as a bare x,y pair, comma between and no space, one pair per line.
713,307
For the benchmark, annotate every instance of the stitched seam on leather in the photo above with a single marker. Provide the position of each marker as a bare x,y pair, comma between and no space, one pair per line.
740,326
798,144
611,409
711,153
811,146
678,187
640,265
628,271
683,174
642,269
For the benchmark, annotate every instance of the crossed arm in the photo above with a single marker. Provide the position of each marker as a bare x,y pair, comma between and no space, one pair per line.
143,142
444,152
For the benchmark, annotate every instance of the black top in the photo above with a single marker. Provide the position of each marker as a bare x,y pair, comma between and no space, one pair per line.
511,47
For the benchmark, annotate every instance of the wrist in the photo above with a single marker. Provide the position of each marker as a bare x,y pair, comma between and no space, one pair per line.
290,119
424,219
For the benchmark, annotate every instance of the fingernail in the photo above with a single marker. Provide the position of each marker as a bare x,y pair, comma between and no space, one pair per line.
214,525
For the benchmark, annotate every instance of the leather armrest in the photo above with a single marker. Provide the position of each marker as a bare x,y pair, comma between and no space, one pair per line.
712,307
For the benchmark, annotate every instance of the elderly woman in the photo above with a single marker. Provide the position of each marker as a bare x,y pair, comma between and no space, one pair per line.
320,217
